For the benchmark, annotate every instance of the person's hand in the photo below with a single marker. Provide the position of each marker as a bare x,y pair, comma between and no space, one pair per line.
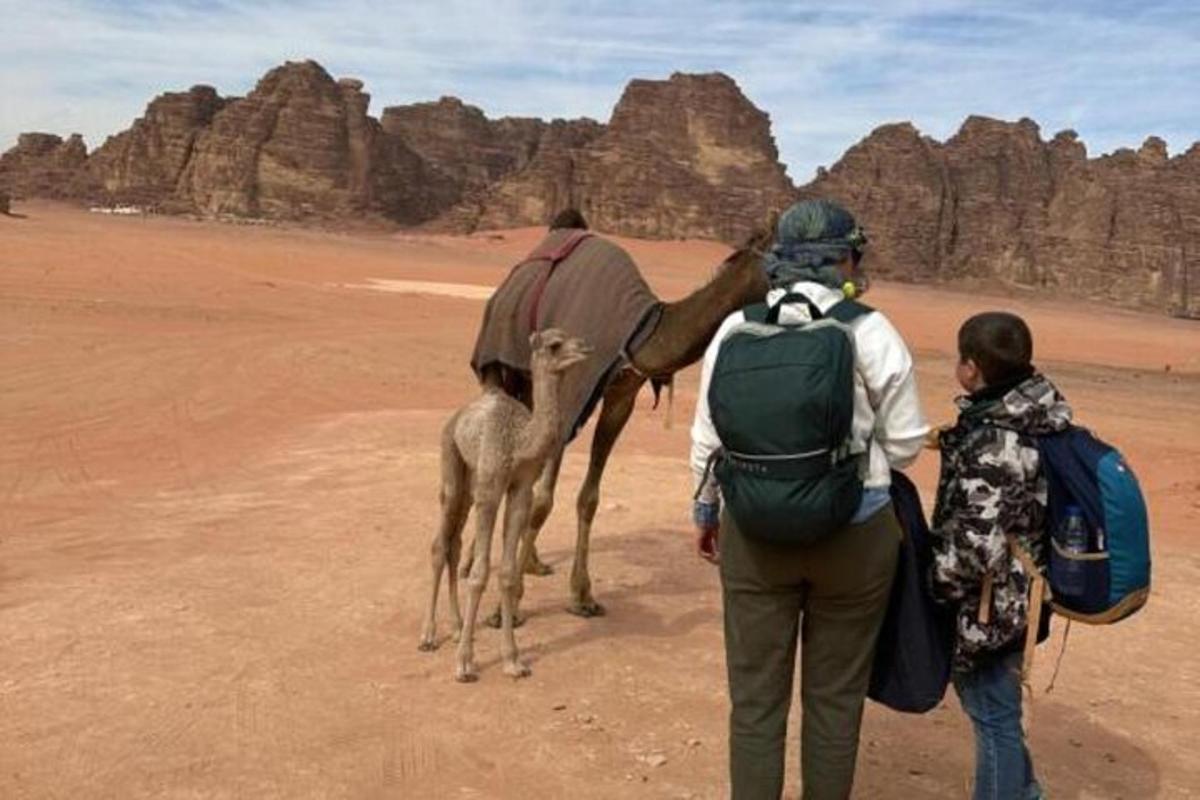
706,545
933,439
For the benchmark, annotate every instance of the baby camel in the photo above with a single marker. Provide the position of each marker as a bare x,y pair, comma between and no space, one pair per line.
494,448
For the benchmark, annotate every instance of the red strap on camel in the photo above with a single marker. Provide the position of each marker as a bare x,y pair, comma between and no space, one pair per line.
554,255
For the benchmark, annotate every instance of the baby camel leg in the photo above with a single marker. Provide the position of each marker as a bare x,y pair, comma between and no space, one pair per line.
543,504
485,520
456,502
453,551
539,509
516,517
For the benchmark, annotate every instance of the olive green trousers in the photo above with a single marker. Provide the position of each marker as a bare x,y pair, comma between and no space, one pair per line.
832,596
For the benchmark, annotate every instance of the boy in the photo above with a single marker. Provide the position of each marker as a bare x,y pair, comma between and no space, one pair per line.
992,498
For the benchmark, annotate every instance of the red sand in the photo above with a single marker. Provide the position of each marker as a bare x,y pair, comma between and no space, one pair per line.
218,487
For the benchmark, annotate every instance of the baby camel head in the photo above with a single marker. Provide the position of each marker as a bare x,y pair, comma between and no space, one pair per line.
554,351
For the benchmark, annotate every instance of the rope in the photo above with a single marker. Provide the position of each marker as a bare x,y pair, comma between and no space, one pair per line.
1058,663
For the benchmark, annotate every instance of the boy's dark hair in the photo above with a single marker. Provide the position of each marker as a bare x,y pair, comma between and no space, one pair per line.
999,343
568,218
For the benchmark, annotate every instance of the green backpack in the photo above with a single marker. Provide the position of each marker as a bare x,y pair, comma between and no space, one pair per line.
781,398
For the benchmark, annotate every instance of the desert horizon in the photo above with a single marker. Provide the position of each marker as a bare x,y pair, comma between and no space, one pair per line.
690,156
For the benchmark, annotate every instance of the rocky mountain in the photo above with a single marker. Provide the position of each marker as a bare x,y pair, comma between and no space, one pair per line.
470,150
531,195
44,165
143,165
689,156
997,202
302,145
686,157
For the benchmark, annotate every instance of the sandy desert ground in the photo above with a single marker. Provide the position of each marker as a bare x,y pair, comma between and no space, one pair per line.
218,486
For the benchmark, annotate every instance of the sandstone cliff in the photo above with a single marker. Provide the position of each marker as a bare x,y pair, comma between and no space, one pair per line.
457,140
143,165
547,184
44,165
686,157
998,203
301,144
689,156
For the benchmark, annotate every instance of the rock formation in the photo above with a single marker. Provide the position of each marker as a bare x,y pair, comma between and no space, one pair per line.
689,156
532,195
462,144
685,157
997,203
301,145
44,165
144,164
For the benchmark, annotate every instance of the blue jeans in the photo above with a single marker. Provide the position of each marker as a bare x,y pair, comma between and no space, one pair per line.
991,696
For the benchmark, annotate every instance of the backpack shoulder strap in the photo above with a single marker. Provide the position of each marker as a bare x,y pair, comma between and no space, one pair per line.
846,311
756,312
1039,592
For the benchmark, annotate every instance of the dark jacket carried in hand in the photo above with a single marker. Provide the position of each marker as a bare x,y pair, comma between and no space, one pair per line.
916,643
992,487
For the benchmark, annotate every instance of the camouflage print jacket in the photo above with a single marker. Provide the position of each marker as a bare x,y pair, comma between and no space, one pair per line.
991,485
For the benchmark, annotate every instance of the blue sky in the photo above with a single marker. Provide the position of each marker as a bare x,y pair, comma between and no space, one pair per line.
1116,71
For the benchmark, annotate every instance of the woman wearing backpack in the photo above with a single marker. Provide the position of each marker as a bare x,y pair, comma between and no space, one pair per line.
808,542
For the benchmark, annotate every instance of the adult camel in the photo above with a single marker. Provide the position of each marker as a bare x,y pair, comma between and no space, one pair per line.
679,338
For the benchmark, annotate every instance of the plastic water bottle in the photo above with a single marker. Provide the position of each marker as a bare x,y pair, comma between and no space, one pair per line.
1073,537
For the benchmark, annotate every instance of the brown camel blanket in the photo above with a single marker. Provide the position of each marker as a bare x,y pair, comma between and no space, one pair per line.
595,293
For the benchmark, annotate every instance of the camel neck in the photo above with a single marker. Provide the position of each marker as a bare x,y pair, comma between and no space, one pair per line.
687,326
545,422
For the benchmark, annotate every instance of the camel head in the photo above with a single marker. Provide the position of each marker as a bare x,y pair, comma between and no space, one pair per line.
554,351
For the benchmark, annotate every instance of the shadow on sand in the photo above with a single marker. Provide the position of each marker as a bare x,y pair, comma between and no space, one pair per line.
929,756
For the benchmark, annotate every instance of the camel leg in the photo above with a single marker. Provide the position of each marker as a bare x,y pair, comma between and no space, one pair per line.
619,400
516,517
455,504
486,506
453,551
543,502
445,548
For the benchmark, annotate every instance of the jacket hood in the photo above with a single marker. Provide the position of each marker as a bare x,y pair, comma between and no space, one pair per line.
1034,406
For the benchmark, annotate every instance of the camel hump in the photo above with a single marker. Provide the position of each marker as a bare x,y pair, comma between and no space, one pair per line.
555,248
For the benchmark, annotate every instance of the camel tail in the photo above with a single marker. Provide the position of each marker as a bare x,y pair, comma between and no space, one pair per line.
657,385
669,419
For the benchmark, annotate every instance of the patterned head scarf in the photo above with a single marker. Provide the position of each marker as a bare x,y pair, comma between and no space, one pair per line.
811,239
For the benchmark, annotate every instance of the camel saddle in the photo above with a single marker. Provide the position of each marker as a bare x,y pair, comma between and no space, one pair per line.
588,287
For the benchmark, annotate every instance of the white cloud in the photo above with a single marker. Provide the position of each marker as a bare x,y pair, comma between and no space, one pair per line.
826,75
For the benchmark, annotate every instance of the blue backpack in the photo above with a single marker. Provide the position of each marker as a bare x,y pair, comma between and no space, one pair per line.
1100,574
